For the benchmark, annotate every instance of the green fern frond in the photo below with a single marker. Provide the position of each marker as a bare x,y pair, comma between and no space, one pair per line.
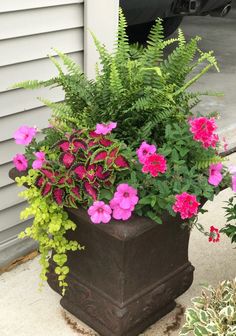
154,50
34,84
57,65
122,47
72,67
104,56
205,163
115,82
181,38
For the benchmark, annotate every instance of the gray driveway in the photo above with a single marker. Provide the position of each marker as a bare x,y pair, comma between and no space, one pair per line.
218,34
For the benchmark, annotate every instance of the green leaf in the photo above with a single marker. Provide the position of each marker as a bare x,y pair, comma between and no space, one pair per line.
105,194
185,330
154,217
200,331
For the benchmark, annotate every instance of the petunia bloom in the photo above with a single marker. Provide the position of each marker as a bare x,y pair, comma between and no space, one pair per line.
186,204
215,176
37,164
20,162
105,128
154,164
124,201
214,236
145,150
118,212
203,130
100,212
126,196
24,135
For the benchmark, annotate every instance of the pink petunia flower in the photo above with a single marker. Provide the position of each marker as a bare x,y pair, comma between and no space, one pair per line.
145,150
20,162
118,212
203,130
186,204
215,176
37,164
24,135
100,212
214,236
105,128
126,196
154,164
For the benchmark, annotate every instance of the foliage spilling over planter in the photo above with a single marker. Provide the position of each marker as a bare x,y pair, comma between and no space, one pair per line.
125,143
213,313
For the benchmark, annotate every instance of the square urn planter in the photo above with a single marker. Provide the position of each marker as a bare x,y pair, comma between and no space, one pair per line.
129,275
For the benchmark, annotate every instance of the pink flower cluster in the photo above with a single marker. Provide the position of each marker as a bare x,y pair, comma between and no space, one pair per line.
105,128
124,201
215,176
121,206
186,204
203,130
153,162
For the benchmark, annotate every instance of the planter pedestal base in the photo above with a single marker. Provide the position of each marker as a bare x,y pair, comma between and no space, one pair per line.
129,275
104,315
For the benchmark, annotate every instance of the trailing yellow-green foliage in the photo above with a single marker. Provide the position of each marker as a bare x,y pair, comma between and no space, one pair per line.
50,224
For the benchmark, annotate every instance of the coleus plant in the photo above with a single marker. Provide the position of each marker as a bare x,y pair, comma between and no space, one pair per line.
86,162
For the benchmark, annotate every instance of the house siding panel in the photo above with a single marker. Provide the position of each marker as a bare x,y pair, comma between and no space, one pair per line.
23,55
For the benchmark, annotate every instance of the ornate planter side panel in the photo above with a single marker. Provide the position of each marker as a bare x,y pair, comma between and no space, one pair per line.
129,275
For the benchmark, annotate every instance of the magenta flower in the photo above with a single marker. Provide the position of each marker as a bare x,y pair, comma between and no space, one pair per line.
20,162
99,212
37,164
186,204
215,176
145,150
154,164
24,135
105,128
203,130
118,212
124,201
126,196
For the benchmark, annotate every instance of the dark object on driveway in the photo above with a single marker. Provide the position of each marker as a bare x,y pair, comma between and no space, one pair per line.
129,275
141,14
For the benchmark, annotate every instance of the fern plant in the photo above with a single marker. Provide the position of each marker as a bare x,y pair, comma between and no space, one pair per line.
138,87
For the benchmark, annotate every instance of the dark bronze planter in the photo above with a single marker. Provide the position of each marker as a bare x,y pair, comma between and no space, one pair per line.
129,275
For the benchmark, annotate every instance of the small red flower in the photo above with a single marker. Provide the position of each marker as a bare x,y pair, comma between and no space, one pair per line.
154,164
214,235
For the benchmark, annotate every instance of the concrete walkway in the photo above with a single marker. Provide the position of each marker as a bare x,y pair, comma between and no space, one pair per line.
24,311
218,34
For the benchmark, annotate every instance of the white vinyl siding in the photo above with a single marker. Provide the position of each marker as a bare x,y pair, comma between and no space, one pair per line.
29,30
